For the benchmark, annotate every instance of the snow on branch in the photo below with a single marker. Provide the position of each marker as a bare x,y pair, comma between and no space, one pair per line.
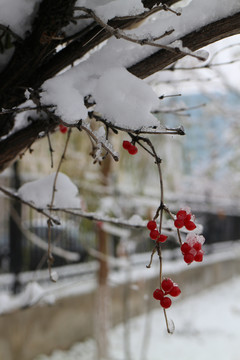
42,211
119,34
149,130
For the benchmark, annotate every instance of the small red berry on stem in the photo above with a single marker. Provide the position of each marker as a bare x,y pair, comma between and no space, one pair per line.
179,223
175,291
199,256
151,225
185,248
158,294
154,234
189,225
133,150
166,302
181,215
162,238
197,246
188,258
126,144
63,128
167,285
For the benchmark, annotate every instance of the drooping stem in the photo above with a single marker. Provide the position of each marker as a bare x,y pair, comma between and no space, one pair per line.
49,223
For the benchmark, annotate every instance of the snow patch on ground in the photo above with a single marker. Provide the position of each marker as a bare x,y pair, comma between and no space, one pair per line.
207,327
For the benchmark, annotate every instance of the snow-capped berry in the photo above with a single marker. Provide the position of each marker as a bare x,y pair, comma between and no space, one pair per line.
179,223
167,285
189,225
154,234
188,217
162,238
151,225
188,258
181,214
185,248
63,128
132,150
166,302
197,246
158,294
175,291
126,144
199,256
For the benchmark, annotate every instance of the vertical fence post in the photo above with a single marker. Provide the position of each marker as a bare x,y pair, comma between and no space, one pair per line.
15,235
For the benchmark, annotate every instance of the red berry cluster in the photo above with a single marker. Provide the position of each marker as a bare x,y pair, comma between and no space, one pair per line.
168,287
63,128
192,248
154,233
132,149
185,218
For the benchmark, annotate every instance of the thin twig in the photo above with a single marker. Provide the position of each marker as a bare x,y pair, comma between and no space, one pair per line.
50,257
150,130
50,149
107,146
167,111
119,34
27,108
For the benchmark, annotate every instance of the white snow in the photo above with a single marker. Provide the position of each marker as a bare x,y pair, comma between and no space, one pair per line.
32,294
18,14
61,91
115,8
39,192
207,327
125,100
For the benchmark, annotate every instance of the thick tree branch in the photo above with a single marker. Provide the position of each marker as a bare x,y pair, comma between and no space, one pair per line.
19,141
194,41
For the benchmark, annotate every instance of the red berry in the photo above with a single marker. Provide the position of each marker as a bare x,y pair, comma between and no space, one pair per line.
199,256
189,225
188,217
166,302
158,294
63,128
154,234
185,248
151,225
179,223
188,258
167,285
181,215
133,150
197,246
126,144
162,238
175,291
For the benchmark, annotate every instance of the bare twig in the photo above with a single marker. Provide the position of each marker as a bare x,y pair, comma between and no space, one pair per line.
105,144
119,34
50,257
27,108
167,111
50,149
150,130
